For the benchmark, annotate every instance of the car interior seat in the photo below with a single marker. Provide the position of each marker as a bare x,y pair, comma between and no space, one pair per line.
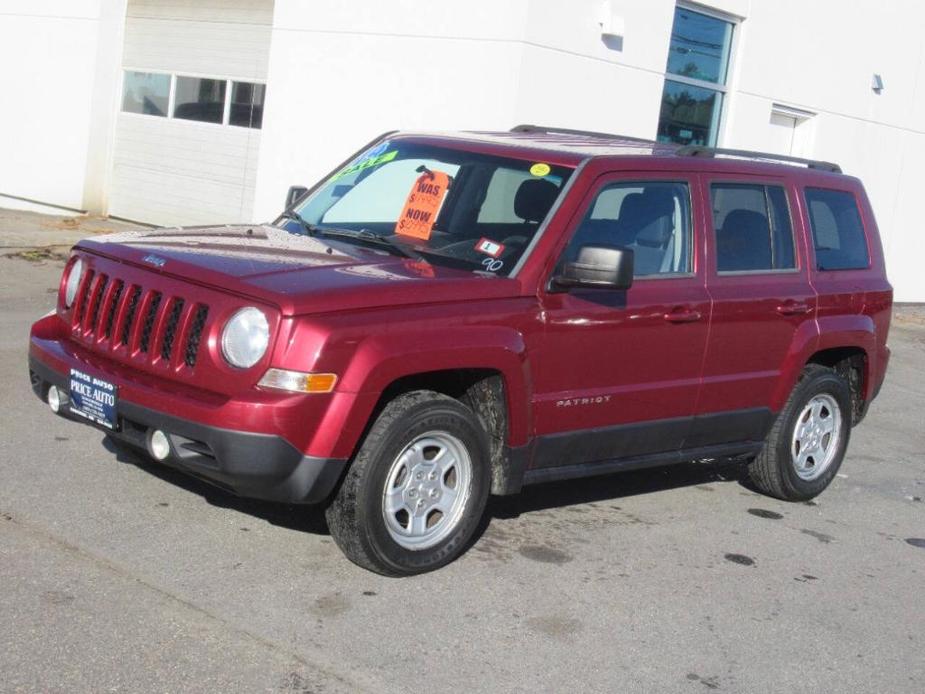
743,242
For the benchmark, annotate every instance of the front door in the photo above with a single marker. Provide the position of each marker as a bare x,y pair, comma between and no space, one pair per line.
617,372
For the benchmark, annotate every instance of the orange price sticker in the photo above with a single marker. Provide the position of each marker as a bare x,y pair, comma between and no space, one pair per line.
419,214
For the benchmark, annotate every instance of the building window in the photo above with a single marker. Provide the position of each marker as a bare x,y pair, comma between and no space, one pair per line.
200,99
695,79
146,92
247,104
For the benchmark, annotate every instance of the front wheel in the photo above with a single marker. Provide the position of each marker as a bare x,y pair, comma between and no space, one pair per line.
416,490
808,441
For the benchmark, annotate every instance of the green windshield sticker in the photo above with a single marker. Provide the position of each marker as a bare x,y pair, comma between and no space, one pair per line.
367,163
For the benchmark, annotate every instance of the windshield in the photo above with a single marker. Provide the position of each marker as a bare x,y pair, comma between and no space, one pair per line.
449,207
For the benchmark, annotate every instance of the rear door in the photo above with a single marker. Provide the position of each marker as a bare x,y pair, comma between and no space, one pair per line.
617,373
763,305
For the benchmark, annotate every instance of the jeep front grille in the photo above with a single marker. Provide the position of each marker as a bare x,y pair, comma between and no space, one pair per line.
116,315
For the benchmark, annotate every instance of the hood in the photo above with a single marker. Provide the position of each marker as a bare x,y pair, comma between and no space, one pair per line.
299,274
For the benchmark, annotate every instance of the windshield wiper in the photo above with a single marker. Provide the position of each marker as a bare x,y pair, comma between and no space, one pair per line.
309,229
373,238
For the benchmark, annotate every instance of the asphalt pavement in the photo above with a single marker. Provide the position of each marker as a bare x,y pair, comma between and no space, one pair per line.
119,575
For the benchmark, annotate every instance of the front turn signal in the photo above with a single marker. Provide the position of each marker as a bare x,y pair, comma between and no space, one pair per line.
297,381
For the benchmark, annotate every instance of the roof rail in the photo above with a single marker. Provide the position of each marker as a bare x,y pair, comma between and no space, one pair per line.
526,128
702,151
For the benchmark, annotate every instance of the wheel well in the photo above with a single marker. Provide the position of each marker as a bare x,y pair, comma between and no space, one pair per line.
482,391
851,364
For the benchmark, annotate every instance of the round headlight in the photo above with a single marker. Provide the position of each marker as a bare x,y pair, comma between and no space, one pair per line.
245,337
74,274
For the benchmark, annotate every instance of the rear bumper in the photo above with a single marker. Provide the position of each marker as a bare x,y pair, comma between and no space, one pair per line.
260,466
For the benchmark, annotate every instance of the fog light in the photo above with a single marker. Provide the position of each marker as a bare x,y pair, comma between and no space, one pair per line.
158,445
55,399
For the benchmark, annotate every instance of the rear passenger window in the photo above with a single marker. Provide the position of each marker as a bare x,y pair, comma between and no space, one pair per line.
752,226
838,234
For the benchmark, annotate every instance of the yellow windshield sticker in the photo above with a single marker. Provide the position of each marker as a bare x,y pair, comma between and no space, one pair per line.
540,169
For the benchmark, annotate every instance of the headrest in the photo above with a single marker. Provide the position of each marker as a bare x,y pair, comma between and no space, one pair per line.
745,222
744,242
658,206
534,199
631,208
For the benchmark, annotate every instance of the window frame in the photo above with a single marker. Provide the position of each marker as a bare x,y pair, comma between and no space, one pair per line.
708,184
172,96
723,88
606,180
811,234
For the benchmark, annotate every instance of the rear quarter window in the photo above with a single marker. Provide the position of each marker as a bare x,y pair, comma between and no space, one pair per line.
838,234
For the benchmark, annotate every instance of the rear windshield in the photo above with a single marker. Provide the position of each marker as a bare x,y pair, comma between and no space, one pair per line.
451,207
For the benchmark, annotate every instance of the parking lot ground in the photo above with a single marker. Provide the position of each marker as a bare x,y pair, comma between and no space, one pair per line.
119,575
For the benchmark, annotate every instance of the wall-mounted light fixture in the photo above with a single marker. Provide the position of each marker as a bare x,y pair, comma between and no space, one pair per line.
611,25
876,83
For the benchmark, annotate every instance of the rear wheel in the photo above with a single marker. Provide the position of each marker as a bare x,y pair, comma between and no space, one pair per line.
416,490
808,441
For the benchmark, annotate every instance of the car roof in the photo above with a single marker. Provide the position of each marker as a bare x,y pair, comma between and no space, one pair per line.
572,147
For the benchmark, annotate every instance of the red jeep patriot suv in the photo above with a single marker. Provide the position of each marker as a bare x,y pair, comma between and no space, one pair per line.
446,317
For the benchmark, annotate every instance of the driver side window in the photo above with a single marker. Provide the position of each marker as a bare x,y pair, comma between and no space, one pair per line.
651,218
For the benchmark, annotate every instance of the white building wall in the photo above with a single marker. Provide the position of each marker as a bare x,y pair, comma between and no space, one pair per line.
342,72
48,67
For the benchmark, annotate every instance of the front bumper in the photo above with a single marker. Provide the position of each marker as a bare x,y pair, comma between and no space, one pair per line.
260,466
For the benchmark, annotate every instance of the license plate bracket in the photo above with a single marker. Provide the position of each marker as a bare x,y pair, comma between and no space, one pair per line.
93,398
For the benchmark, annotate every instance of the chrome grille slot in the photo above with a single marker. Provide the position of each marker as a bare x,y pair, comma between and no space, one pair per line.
170,331
192,344
150,317
83,299
130,315
113,305
97,301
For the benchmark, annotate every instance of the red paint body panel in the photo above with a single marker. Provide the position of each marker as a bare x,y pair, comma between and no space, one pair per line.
372,318
592,342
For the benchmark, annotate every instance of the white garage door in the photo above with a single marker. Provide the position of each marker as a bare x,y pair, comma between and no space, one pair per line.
188,131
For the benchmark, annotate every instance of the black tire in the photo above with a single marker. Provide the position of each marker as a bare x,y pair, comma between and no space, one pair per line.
773,471
356,518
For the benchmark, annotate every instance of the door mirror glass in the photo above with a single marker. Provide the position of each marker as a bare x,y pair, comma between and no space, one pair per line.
294,194
598,267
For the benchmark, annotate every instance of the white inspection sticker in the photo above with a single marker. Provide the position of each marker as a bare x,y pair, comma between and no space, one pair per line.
489,247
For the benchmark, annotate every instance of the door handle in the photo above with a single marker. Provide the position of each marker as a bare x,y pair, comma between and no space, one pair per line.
682,314
792,308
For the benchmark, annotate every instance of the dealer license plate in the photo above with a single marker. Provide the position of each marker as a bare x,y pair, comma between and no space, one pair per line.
93,398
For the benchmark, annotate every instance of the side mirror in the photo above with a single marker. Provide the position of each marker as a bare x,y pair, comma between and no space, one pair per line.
598,267
294,195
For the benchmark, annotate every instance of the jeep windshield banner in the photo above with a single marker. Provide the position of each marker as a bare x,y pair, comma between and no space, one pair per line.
417,200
